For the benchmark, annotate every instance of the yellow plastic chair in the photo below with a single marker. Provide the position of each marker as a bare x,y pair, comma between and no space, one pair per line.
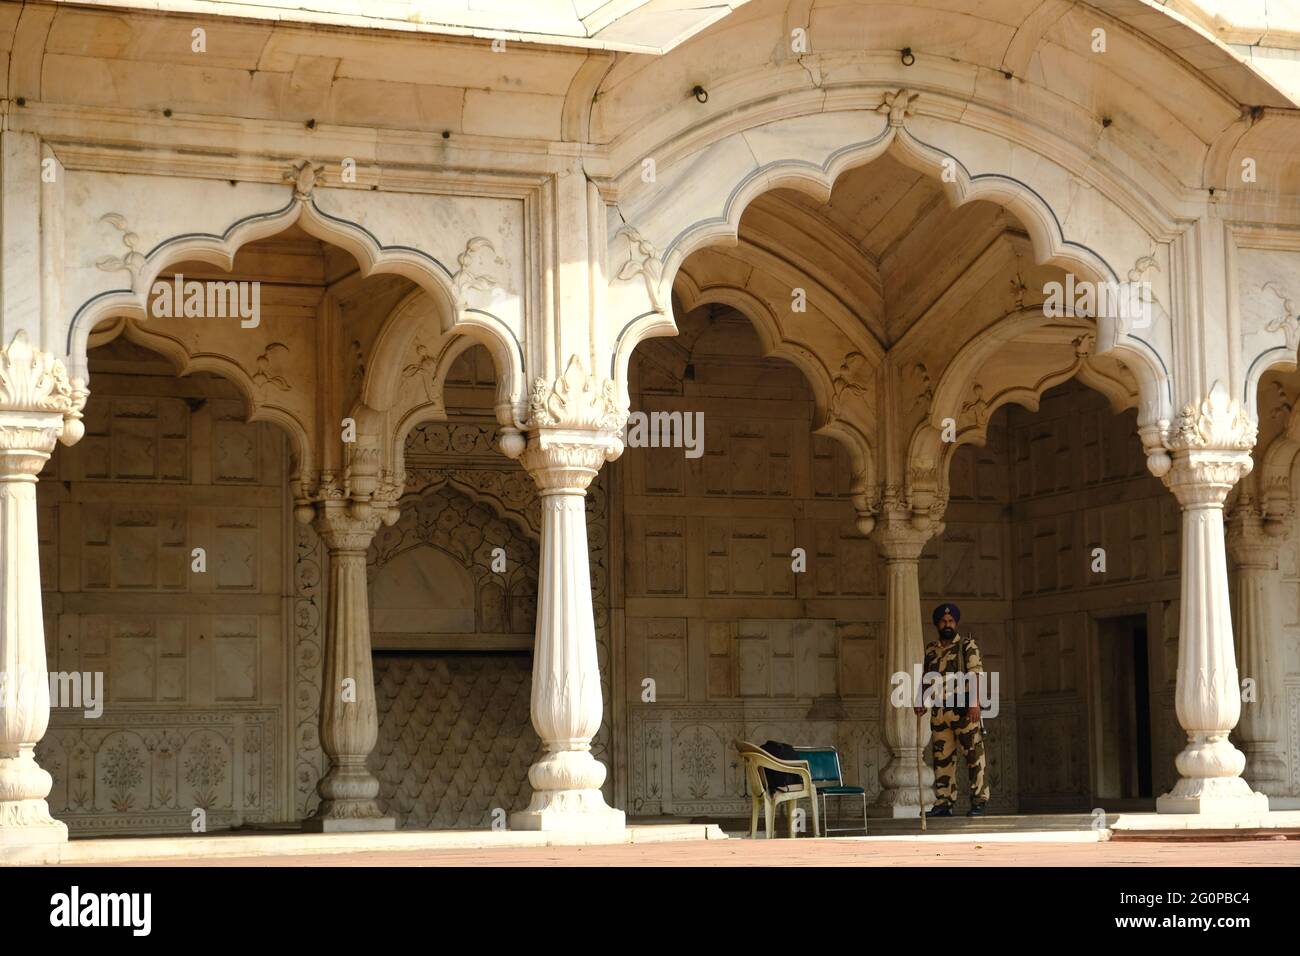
756,760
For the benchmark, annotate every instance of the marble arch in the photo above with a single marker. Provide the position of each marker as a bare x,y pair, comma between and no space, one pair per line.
1049,354
665,216
373,258
832,371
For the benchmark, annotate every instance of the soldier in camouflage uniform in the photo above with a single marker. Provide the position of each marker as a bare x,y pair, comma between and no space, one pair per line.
955,723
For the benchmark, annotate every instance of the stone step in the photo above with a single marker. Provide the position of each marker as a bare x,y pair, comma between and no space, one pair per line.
907,826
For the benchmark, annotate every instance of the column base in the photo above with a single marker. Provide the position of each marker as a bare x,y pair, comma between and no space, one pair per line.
347,817
583,810
1265,769
28,823
1227,797
900,797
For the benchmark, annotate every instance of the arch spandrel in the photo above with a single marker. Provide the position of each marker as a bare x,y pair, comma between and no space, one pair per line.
1268,302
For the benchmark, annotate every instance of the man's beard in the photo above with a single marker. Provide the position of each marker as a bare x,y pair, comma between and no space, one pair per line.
948,633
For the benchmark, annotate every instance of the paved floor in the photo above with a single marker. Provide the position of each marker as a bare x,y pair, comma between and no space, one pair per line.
1273,851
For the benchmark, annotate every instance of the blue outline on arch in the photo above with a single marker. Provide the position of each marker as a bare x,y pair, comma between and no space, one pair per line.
1282,360
824,168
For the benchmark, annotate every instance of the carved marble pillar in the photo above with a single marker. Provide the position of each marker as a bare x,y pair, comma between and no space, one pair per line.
38,406
900,541
349,720
1253,545
573,428
1210,452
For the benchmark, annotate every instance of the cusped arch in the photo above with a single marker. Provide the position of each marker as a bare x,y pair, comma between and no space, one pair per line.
187,363
371,255
431,518
682,221
826,386
522,514
960,412
1272,477
407,372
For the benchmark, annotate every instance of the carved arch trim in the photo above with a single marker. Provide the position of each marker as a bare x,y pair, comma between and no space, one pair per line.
827,387
959,393
1047,235
187,363
371,255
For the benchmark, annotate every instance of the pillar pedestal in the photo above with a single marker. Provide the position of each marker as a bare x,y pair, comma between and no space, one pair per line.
38,407
566,697
349,720
1210,452
899,541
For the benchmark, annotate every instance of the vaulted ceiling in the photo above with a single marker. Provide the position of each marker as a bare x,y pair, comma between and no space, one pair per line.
891,248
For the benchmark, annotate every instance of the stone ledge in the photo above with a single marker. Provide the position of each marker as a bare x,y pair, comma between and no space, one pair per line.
196,848
1152,823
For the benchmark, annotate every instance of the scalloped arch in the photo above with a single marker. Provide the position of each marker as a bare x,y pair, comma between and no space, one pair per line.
815,372
186,363
926,448
372,256
1049,242
1272,476
503,510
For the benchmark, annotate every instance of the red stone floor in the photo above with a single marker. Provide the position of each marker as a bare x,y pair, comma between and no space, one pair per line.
1271,851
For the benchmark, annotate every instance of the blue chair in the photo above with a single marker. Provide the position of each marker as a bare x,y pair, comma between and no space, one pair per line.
828,779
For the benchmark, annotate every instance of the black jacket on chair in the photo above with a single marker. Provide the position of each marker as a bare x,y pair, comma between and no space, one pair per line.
776,778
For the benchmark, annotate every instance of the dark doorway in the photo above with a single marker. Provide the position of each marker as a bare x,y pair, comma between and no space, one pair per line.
1122,718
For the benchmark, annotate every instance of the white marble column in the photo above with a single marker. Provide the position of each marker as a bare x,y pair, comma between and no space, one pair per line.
38,406
1210,452
349,720
566,697
1253,545
900,543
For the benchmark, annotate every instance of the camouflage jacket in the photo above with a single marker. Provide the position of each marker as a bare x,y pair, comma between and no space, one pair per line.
961,655
948,658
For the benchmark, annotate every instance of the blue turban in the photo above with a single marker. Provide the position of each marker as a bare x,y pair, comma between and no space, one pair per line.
943,609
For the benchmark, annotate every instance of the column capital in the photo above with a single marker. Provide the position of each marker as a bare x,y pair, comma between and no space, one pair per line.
1253,541
900,536
574,426
349,525
39,405
1203,478
566,461
1209,449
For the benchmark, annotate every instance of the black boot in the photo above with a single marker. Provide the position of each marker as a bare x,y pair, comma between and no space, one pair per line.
940,810
976,810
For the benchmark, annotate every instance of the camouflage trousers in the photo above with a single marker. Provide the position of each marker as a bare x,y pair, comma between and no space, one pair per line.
950,730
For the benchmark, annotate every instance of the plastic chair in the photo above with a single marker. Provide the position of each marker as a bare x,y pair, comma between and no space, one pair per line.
756,761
